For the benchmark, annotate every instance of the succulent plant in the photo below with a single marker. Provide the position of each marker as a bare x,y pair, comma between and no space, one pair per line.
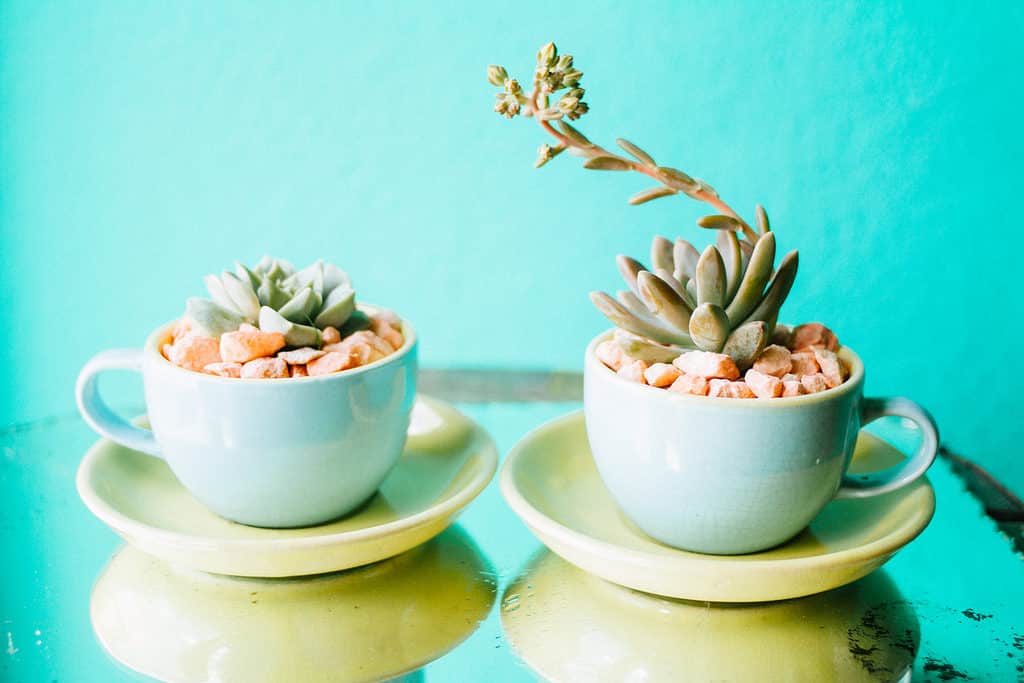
724,299
277,298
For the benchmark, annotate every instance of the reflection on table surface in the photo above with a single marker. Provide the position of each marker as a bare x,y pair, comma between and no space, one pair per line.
569,625
366,624
961,579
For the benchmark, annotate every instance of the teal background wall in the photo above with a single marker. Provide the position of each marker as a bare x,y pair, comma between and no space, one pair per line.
143,145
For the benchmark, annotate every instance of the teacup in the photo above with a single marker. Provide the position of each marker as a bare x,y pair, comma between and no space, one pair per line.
265,452
730,476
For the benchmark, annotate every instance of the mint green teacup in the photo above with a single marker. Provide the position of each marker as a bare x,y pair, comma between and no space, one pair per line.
265,452
729,476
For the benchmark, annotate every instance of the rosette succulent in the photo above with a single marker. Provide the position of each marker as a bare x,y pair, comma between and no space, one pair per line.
725,299
276,298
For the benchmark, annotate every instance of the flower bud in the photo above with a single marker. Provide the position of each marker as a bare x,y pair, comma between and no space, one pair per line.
546,55
496,75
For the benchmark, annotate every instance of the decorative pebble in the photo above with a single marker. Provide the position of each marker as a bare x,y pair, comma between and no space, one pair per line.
764,386
661,374
383,329
265,368
723,388
633,370
300,356
707,364
831,366
224,369
330,335
194,352
804,363
243,346
774,360
814,383
299,371
690,384
611,354
792,387
813,334
332,361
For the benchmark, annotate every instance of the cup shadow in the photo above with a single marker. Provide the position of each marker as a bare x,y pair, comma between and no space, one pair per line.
371,623
566,624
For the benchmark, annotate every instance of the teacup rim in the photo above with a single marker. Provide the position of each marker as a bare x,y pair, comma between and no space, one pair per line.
852,383
152,349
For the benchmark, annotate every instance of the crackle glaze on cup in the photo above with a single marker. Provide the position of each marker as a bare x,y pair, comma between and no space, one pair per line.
731,476
269,452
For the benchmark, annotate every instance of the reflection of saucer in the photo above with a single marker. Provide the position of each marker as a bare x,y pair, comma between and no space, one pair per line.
363,624
571,626
447,461
550,480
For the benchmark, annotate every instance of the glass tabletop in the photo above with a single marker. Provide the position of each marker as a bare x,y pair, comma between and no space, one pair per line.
485,600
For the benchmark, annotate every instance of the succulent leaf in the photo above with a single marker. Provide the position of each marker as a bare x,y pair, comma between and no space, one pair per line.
217,292
212,319
241,293
294,334
763,226
679,288
270,293
685,256
663,301
622,317
711,284
639,348
709,327
244,273
634,304
661,254
637,153
746,343
778,290
608,164
300,307
751,287
629,267
729,248
334,277
645,196
337,307
356,322
720,222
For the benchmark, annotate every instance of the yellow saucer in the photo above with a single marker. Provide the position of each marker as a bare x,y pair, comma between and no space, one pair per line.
568,625
448,460
364,624
550,480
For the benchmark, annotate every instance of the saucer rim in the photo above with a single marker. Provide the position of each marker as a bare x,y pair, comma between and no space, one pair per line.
542,524
487,456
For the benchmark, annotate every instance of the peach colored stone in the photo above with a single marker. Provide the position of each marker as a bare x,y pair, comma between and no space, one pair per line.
764,386
194,352
224,369
723,388
300,356
707,364
804,363
332,361
181,328
790,377
265,368
166,348
390,317
299,371
611,354
831,366
690,384
661,374
814,383
774,360
379,345
241,346
383,329
330,335
634,370
248,327
813,334
792,387
361,352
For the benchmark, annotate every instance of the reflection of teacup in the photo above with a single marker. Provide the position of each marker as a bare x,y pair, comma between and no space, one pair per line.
365,624
569,625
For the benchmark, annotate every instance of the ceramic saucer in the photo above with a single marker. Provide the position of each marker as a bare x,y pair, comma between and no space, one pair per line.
448,460
365,624
569,625
550,480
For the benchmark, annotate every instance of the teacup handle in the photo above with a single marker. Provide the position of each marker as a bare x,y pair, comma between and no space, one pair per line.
883,481
96,411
